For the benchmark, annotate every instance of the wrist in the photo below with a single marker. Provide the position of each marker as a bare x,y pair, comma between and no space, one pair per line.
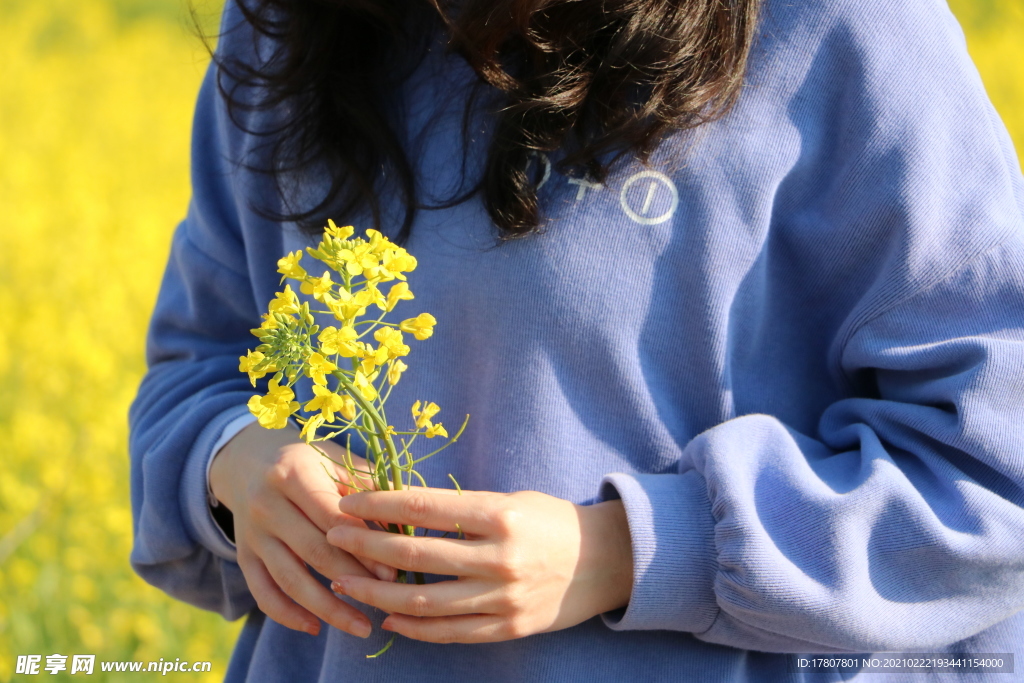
229,431
608,553
252,441
216,473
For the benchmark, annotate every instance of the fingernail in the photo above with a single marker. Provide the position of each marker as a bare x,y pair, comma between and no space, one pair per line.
313,628
387,626
337,588
362,629
385,573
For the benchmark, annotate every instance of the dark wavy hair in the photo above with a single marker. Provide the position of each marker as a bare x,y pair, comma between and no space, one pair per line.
592,78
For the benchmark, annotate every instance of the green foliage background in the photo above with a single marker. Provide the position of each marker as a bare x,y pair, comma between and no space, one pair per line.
95,105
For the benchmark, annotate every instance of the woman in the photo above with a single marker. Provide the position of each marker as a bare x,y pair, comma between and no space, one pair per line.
751,373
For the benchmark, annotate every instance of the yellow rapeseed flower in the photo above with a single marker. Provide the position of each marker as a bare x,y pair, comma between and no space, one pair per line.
272,411
436,430
372,357
373,295
358,258
391,339
421,327
319,287
284,302
423,416
394,262
364,386
348,407
340,342
338,233
317,367
250,364
283,395
377,242
327,402
314,423
268,324
289,266
247,362
397,293
395,371
346,306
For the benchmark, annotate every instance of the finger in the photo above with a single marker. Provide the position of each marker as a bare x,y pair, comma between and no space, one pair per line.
382,571
292,577
474,628
415,553
307,498
271,600
310,544
442,599
310,487
430,508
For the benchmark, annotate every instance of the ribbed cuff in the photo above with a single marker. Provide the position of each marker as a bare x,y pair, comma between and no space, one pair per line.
194,487
674,558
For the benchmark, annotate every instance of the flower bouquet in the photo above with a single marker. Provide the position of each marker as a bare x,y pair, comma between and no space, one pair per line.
352,376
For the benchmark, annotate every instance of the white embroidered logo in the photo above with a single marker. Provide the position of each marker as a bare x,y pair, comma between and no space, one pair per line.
658,194
647,203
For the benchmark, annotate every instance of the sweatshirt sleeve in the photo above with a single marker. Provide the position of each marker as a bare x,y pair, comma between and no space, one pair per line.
193,389
897,523
900,528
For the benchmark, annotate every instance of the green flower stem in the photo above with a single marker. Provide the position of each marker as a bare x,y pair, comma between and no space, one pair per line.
370,436
383,649
383,398
373,324
382,431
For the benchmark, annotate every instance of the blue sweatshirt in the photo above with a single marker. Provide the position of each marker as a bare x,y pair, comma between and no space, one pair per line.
793,344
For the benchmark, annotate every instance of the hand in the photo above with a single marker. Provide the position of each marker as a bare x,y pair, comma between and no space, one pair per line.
283,502
530,563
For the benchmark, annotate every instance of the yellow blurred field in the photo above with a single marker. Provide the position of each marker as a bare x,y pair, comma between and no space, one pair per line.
95,107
